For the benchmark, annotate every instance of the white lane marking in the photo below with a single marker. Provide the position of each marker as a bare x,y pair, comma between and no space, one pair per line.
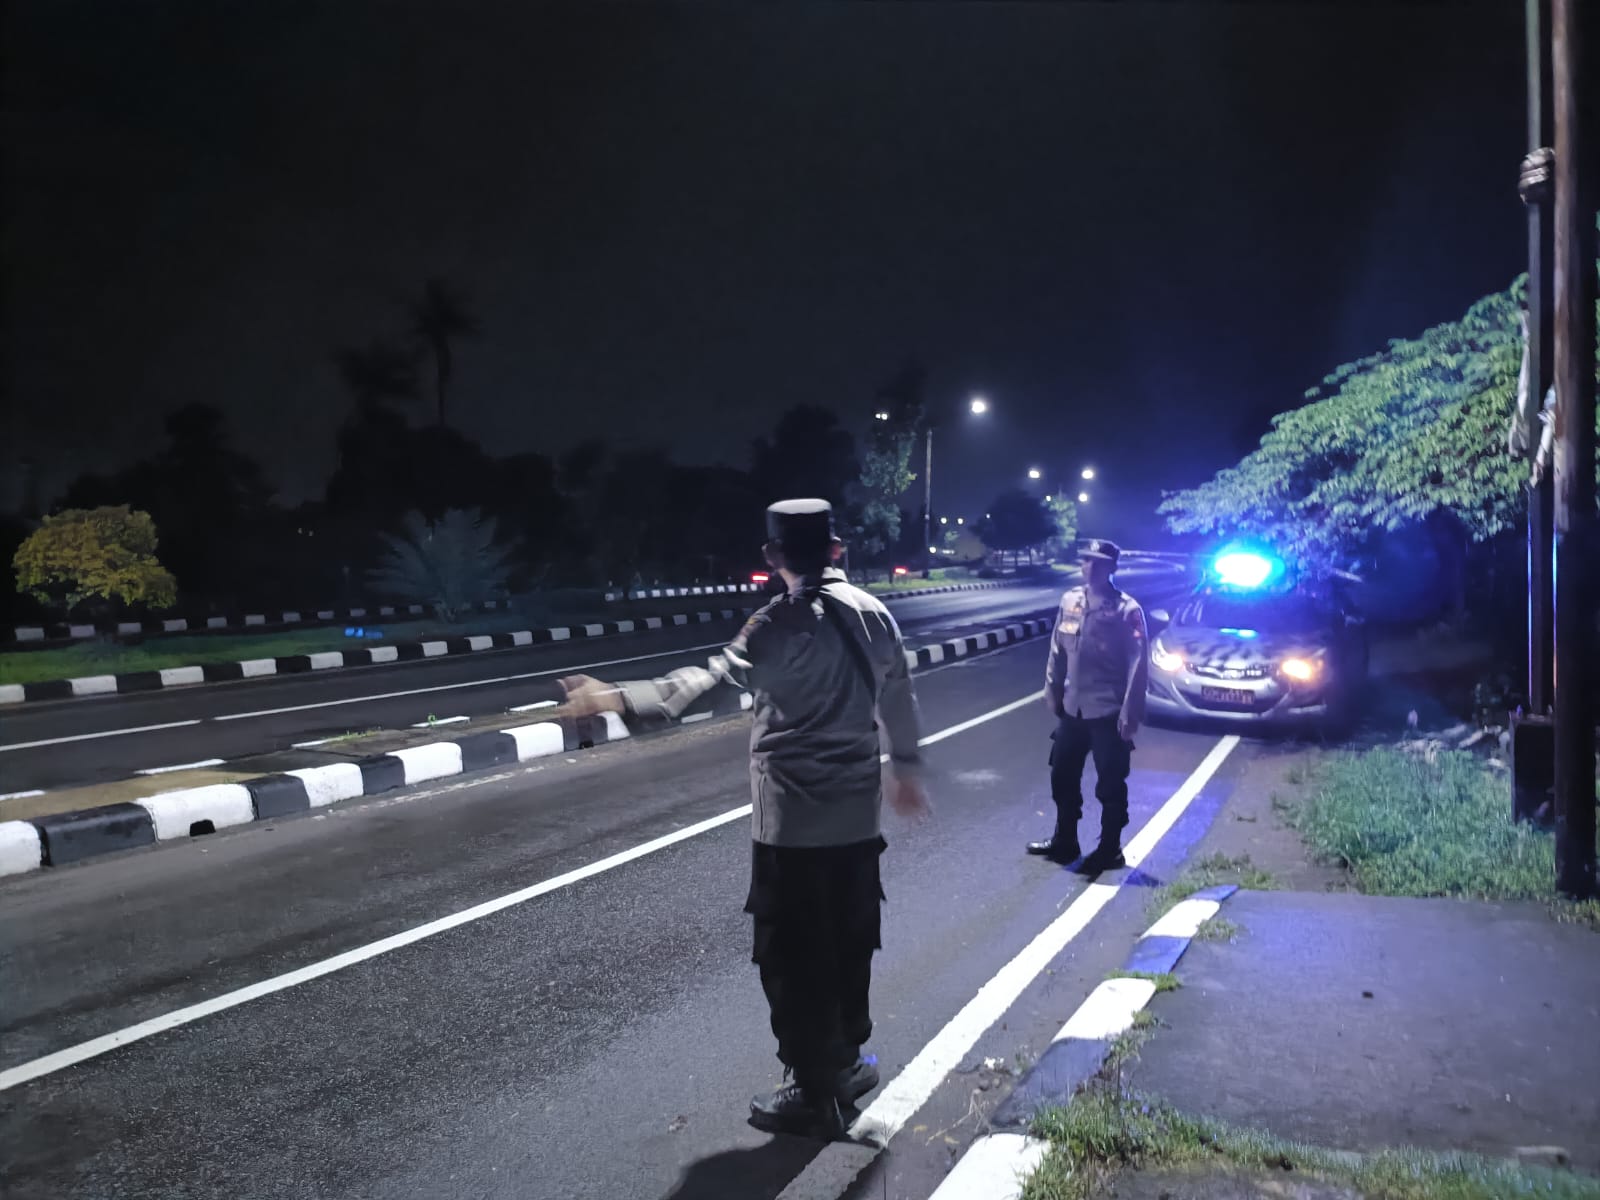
204,762
910,1089
85,737
994,1169
1109,1010
695,718
446,687
534,705
1184,919
72,1055
432,721
21,795
309,745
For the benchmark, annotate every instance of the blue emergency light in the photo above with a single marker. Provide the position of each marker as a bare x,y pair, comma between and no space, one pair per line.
1247,569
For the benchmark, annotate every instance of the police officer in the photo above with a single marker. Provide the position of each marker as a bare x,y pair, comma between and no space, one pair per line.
825,664
1094,686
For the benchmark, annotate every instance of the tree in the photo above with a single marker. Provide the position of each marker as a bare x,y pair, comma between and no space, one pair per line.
1064,517
1017,521
809,454
886,466
376,374
454,563
1412,437
107,553
438,320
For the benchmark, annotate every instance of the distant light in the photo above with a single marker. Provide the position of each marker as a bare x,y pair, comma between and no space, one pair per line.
944,520
1083,497
1244,568
979,406
881,415
1088,472
1299,668
933,549
1035,473
901,571
961,520
1047,499
760,577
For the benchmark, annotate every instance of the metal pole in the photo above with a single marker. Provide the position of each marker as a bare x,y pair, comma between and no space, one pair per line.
1576,162
1536,195
927,508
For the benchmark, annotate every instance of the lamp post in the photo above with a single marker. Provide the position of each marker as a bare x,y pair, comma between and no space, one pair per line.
977,406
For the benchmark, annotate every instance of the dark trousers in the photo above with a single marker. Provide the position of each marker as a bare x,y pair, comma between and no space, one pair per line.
1076,738
816,914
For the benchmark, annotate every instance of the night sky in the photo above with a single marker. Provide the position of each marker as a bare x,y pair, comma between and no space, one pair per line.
1138,229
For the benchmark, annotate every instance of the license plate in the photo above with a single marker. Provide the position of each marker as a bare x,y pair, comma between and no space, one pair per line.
1227,696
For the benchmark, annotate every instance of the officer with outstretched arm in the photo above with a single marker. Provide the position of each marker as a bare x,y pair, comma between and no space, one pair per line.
825,665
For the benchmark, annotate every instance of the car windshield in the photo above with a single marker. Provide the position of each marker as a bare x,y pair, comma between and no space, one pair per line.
1263,614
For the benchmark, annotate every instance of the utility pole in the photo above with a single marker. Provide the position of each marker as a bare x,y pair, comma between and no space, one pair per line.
927,506
1577,157
1535,188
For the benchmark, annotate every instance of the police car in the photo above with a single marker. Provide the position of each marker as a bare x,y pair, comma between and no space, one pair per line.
1251,648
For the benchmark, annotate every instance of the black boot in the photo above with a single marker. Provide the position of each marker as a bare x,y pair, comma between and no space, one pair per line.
800,1112
1062,848
856,1081
1107,856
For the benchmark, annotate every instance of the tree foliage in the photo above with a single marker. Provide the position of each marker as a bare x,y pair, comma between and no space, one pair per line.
454,563
1063,512
1413,436
106,553
1017,521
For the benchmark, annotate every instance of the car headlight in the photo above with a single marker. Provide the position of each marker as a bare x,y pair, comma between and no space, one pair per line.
1164,659
1300,669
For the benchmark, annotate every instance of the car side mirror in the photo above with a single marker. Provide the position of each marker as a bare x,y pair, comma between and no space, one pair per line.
1160,616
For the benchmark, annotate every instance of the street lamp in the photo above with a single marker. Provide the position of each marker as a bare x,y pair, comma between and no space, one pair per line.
881,415
1083,497
1088,472
977,406
1035,473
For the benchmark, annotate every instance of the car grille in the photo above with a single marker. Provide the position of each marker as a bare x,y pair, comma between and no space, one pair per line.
1254,671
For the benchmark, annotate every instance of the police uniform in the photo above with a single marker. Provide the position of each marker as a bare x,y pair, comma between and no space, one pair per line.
825,666
1095,678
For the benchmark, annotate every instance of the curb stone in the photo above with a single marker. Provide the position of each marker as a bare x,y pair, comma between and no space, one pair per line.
298,664
62,838
192,623
996,1166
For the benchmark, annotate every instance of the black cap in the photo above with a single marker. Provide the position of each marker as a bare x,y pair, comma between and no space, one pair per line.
801,526
1102,549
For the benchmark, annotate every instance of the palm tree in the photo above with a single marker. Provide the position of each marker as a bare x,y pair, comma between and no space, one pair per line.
375,374
438,319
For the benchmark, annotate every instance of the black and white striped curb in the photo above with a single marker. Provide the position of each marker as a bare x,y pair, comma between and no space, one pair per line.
997,1165
327,660
63,838
62,631
909,593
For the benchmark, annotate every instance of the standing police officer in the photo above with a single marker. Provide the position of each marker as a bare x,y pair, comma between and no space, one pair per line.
826,664
1094,686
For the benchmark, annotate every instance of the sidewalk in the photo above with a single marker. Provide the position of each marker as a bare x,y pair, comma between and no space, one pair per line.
1326,1044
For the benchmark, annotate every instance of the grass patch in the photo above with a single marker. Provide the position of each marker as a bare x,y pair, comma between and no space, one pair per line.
1407,827
1100,1132
1217,929
1165,981
1210,871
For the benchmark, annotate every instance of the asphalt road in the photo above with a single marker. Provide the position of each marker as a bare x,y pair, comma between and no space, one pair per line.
68,743
601,1039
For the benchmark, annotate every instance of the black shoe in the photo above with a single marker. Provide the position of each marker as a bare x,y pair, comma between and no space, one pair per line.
794,1111
1107,856
1057,850
855,1082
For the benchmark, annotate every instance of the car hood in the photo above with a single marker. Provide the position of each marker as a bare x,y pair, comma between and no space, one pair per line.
1219,651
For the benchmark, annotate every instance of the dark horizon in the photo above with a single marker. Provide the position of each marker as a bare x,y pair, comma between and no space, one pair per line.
1139,230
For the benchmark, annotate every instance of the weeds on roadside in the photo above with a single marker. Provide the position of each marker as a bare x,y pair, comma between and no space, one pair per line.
1209,872
1165,981
1101,1131
1407,827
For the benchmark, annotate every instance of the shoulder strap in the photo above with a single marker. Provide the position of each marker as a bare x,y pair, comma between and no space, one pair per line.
852,643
